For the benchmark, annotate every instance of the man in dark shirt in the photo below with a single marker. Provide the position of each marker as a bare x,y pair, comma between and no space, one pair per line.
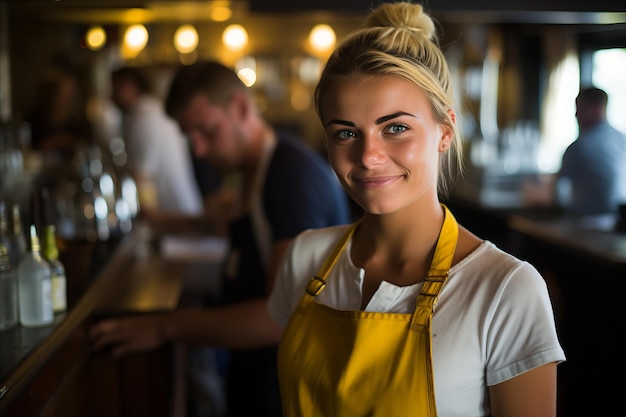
285,188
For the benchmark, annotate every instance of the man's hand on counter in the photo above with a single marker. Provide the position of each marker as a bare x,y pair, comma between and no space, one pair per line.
245,325
127,334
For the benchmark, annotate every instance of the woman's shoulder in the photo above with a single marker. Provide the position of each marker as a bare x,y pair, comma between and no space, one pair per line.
311,247
488,255
489,266
320,239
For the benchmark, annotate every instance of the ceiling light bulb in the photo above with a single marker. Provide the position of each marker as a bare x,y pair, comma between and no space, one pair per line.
322,37
235,37
136,37
95,38
186,39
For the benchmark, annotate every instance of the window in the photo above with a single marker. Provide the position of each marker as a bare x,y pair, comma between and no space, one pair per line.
608,74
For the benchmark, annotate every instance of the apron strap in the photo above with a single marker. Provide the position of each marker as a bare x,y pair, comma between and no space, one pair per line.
436,278
318,282
438,272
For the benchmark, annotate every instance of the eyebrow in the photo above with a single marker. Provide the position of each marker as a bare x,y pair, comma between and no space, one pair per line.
340,122
393,116
380,120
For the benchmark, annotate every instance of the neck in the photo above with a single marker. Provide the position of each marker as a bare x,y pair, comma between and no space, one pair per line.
262,137
402,236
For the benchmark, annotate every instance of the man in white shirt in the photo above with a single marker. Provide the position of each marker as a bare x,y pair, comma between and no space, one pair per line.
158,154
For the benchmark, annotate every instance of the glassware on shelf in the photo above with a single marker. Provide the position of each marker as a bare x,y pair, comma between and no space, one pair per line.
8,291
57,270
34,286
18,237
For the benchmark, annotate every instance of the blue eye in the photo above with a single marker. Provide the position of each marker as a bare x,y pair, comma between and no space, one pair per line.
396,129
345,134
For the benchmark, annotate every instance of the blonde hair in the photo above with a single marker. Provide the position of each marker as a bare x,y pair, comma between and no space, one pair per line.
400,39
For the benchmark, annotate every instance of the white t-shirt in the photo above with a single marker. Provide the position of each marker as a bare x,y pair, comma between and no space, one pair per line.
493,321
158,150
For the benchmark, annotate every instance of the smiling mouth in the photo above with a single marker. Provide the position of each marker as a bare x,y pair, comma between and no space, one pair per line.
377,182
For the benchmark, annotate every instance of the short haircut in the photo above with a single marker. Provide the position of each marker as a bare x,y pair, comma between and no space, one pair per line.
136,75
593,95
211,79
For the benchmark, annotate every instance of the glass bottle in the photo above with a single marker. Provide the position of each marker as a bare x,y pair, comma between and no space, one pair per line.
34,286
18,237
57,271
8,291
5,236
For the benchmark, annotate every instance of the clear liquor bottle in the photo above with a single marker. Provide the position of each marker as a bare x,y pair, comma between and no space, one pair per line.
57,270
8,291
34,286
18,237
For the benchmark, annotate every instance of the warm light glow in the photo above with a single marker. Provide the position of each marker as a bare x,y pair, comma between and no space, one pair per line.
95,38
221,13
186,39
300,98
188,59
246,70
235,37
133,15
322,37
247,76
309,69
136,37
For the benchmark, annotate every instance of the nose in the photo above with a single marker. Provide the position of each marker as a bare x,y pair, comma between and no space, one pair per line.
199,146
371,150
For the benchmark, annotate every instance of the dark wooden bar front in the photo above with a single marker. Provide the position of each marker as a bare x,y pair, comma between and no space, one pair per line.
52,371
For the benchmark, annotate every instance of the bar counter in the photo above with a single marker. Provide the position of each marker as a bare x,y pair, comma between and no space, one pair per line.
595,237
52,371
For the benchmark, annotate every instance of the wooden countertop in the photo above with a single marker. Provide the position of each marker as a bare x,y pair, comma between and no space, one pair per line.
134,279
594,236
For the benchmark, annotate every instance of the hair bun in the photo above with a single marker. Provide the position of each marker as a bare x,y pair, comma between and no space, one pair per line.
403,16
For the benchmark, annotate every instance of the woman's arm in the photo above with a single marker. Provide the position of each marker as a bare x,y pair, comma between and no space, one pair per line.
530,394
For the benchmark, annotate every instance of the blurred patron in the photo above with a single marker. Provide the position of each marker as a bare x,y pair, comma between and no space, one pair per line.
158,154
592,178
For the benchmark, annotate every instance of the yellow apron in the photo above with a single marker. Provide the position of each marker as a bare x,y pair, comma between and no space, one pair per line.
354,363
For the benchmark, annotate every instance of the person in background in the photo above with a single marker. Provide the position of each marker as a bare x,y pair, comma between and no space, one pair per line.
592,178
158,153
285,188
405,312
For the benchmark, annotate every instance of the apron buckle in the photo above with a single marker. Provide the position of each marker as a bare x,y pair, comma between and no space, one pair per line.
434,282
316,285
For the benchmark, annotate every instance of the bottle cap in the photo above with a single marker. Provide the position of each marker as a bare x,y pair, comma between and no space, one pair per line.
5,262
34,239
50,249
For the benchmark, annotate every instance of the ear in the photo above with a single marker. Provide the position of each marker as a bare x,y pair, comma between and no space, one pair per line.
240,105
447,133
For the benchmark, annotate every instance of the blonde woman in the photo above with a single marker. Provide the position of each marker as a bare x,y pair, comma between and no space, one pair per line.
405,312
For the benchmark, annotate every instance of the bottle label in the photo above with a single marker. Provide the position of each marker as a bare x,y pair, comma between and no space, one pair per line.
47,314
59,294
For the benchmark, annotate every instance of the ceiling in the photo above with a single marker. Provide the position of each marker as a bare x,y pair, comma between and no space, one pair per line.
517,11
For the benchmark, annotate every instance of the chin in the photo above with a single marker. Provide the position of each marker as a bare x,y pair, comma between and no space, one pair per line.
377,209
